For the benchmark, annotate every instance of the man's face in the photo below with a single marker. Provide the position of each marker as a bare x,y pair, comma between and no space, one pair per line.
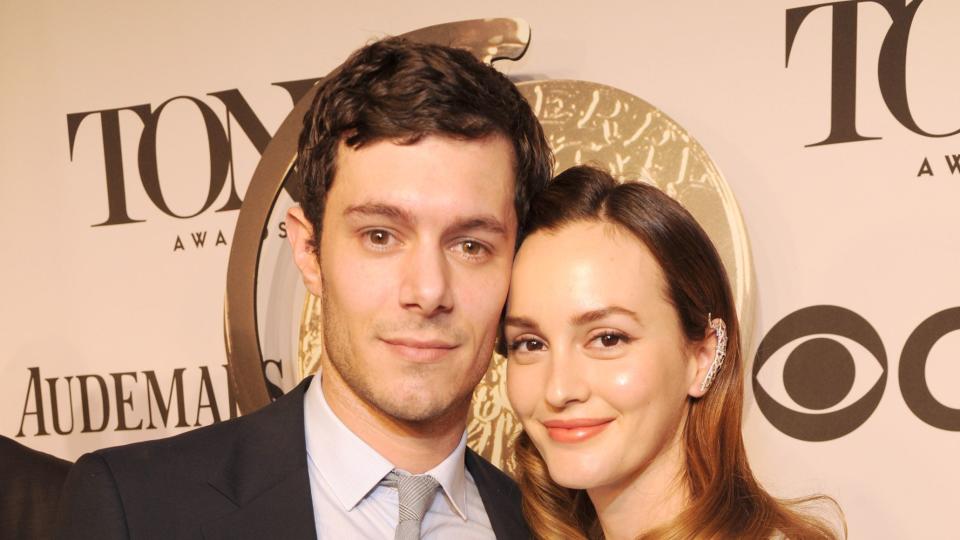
415,257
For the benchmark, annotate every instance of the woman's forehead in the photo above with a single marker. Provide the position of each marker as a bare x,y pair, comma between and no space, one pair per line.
586,264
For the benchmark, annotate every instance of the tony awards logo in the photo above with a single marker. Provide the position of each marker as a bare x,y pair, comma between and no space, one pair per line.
892,72
584,122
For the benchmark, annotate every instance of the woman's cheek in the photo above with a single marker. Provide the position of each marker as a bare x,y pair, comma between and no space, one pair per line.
519,389
623,386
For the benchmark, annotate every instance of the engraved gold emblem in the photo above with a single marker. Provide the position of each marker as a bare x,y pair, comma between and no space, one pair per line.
584,122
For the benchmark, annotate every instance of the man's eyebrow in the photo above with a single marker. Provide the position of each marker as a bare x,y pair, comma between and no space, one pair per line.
485,223
380,209
597,314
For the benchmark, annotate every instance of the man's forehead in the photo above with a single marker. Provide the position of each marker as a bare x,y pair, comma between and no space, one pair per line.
495,147
462,179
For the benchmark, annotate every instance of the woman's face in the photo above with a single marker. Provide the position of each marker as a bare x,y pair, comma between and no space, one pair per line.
599,370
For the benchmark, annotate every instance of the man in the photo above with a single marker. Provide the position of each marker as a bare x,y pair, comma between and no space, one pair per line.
418,163
30,483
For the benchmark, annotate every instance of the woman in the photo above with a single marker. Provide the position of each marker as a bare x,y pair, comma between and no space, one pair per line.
626,371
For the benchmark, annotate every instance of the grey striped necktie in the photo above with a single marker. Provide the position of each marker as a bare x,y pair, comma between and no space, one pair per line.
416,494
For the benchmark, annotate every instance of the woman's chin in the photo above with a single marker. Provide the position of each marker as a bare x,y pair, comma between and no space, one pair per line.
576,475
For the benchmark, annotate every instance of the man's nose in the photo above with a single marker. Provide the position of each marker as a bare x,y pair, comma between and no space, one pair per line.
566,383
426,283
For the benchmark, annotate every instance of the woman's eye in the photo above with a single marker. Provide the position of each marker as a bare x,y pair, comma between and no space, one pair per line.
611,339
528,345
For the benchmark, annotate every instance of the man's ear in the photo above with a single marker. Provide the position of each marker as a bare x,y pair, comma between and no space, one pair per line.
300,234
702,355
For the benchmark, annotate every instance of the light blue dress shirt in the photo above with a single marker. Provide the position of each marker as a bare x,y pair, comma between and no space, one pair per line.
348,501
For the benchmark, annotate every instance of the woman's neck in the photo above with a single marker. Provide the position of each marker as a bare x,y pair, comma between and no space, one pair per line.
651,497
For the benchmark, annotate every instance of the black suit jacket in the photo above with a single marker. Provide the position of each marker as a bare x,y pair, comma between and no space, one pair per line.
244,478
30,483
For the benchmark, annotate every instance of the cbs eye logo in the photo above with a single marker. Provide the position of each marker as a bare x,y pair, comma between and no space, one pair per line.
826,372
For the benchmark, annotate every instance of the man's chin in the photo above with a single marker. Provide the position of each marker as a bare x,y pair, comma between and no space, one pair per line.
422,408
417,409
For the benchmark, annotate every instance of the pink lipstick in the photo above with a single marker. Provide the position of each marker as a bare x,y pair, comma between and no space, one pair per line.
575,430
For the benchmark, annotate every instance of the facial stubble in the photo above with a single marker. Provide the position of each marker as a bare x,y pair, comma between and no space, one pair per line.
423,411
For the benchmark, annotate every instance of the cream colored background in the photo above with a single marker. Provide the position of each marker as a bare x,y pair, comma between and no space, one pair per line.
846,224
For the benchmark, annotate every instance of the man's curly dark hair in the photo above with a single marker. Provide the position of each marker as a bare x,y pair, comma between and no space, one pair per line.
399,90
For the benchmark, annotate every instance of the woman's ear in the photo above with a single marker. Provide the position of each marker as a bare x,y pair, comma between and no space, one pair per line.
706,359
300,234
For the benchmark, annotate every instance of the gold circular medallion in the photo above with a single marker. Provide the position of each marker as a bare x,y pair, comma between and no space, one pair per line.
589,123
584,123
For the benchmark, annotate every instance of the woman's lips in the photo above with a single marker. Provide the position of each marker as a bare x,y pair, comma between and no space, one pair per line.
575,430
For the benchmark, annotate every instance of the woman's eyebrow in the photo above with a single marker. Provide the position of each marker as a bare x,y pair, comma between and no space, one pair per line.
521,322
577,320
597,314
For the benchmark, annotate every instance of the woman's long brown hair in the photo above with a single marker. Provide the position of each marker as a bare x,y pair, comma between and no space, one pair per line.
725,500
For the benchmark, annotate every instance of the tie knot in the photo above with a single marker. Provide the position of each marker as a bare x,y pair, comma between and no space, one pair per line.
415,494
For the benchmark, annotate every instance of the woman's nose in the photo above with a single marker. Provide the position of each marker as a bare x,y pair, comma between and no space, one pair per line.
566,383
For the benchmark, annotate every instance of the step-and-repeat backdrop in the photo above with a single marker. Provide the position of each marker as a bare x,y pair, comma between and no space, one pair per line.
130,134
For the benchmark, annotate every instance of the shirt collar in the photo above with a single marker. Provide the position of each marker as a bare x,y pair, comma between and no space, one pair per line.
353,469
451,474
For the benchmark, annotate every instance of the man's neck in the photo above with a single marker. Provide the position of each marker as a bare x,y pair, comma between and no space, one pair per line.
651,498
413,447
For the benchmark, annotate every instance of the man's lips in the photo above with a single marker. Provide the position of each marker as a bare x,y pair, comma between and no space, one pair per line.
575,429
420,350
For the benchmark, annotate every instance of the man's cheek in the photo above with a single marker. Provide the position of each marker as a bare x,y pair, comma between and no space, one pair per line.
364,283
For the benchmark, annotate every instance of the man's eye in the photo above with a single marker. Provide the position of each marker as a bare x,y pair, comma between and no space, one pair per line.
472,249
378,237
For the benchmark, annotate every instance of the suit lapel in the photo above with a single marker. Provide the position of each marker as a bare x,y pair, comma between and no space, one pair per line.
283,511
501,498
265,475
